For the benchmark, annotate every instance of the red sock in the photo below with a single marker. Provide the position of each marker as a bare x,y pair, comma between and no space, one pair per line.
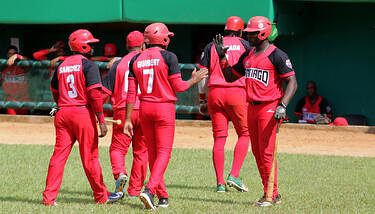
218,158
240,152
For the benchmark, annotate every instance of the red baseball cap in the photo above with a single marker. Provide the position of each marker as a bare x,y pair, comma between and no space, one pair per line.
134,39
339,121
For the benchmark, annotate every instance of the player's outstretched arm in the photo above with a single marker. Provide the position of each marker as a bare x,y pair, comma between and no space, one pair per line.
238,69
179,85
96,102
197,76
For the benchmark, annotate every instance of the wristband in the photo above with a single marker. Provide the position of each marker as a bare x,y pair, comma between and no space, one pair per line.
282,104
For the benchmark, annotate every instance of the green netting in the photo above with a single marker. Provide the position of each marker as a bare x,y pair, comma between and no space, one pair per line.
25,85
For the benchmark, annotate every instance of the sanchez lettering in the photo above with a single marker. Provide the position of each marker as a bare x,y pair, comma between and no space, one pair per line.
258,75
69,69
148,63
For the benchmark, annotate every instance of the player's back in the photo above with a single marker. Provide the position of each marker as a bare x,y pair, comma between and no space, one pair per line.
71,82
225,78
121,83
153,69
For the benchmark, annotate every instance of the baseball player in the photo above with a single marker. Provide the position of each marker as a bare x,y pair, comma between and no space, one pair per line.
266,68
227,102
77,90
157,72
116,84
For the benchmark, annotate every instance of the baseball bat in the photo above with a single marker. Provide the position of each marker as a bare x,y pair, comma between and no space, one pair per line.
271,178
118,122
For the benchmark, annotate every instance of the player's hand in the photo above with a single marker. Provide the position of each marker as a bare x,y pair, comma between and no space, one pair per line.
55,47
219,46
128,128
12,59
197,76
103,129
280,112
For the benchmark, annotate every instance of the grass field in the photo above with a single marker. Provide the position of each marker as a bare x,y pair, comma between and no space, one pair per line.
308,184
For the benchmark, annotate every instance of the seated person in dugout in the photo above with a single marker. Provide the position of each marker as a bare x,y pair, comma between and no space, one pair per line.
313,108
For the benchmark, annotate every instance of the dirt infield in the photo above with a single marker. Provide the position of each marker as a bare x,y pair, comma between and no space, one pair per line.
293,138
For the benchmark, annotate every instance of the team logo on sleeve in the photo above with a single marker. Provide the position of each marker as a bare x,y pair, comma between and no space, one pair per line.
259,75
289,63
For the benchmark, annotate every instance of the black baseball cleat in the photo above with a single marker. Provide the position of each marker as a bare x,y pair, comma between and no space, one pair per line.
114,196
147,199
163,202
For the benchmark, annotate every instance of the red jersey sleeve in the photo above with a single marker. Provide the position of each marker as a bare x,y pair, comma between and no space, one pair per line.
41,55
132,90
177,83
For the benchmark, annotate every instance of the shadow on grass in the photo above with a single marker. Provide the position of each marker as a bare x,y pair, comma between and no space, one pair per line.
222,201
39,201
19,199
75,192
178,186
75,200
139,206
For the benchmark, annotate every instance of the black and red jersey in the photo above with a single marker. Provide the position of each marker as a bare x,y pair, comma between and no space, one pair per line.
264,72
320,106
116,82
154,70
73,78
210,59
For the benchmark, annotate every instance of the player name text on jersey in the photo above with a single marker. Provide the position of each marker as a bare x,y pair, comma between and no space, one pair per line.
148,63
70,68
234,48
258,75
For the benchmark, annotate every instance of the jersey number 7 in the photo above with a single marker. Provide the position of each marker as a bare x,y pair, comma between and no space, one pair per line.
150,81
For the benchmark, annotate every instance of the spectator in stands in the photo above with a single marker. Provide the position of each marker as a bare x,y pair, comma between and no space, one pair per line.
14,81
313,108
13,55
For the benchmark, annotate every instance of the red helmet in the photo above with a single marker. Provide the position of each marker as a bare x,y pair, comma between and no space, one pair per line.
158,34
261,24
79,41
134,39
110,49
234,23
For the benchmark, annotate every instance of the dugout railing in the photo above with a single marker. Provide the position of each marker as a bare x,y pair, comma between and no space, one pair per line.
25,85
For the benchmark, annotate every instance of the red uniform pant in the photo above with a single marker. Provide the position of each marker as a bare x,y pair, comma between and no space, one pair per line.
119,148
71,124
225,104
158,123
262,128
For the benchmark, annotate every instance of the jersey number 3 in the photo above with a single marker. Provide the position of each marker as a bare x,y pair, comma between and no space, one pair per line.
72,93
